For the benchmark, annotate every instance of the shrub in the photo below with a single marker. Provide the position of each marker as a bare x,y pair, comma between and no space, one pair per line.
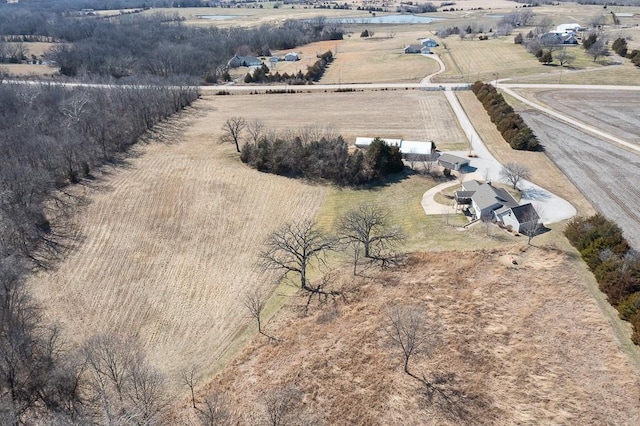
629,306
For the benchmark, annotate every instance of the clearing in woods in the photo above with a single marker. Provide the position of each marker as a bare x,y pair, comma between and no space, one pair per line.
170,242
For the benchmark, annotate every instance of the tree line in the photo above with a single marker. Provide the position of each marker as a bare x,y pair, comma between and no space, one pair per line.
155,44
312,153
615,265
509,123
51,137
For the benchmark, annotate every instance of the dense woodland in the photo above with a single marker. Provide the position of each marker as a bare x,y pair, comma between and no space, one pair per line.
50,138
156,45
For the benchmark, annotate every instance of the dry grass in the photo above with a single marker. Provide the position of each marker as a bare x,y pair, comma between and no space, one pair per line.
472,60
170,243
406,114
543,171
27,69
527,345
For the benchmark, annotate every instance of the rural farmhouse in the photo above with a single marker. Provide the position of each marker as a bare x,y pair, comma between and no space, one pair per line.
417,48
486,202
244,61
429,42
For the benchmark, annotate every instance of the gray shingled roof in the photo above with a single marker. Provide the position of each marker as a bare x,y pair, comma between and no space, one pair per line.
525,213
486,195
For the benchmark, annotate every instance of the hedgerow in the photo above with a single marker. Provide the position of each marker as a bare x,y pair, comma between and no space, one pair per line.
509,123
614,264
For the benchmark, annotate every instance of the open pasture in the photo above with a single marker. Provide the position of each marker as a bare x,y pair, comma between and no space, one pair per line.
472,60
606,174
406,114
169,243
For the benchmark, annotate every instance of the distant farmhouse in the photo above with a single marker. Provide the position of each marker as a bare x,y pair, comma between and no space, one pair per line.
429,42
291,56
563,34
417,48
244,61
417,150
486,202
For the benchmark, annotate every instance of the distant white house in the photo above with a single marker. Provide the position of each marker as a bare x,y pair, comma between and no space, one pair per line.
291,56
419,150
569,28
429,42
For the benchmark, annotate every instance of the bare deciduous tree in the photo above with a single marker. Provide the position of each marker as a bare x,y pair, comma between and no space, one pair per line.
598,49
293,248
215,411
232,131
531,224
368,227
409,333
513,173
564,57
280,405
256,129
255,300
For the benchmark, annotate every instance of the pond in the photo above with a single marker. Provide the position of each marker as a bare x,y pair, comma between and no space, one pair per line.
388,19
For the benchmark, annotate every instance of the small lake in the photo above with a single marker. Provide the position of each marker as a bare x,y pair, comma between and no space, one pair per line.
388,19
218,17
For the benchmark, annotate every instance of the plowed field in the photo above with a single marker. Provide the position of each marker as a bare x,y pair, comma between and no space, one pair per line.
605,173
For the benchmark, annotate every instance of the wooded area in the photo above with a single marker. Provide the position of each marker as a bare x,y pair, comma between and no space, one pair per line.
153,44
50,137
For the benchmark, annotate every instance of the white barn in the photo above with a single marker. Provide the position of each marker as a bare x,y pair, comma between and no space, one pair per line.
421,149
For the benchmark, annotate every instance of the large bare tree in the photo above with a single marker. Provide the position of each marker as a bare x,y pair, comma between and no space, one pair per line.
513,173
367,228
232,131
295,247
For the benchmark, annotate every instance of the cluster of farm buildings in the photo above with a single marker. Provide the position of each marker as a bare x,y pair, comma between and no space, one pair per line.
478,200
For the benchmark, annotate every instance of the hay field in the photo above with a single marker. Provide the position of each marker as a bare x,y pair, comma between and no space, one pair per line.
406,114
169,244
527,344
472,60
543,171
28,69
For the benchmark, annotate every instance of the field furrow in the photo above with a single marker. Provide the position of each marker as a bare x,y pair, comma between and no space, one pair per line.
169,247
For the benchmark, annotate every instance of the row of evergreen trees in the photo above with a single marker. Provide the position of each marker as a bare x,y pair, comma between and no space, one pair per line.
509,123
323,159
615,265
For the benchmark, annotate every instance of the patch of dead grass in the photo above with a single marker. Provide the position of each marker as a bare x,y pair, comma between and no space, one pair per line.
527,344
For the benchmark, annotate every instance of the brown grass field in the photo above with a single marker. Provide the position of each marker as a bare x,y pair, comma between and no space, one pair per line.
527,344
170,242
